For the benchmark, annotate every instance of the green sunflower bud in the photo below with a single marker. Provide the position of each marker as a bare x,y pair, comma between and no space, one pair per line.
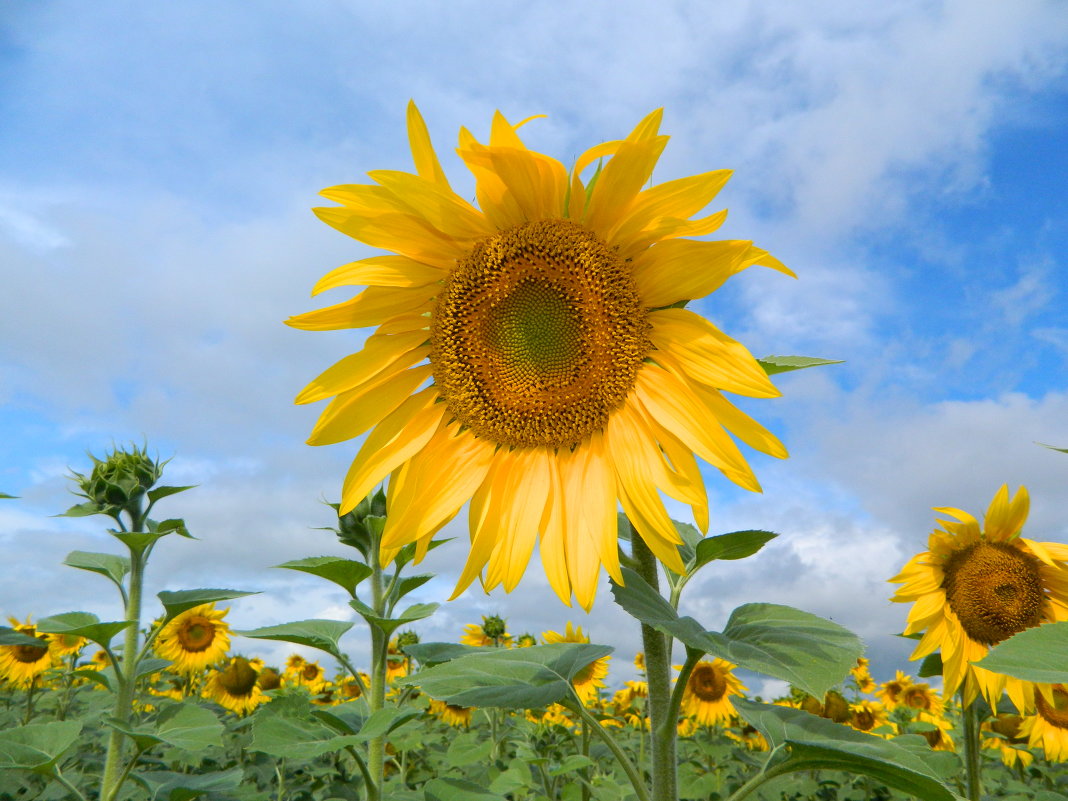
119,481
406,638
494,627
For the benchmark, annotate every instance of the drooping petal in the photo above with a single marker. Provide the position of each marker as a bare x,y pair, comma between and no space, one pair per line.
423,155
446,211
406,234
522,511
679,199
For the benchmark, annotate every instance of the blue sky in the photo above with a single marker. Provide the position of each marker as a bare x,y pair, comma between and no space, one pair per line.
157,166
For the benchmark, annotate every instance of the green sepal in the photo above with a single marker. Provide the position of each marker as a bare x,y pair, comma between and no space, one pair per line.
37,746
109,565
520,678
137,541
1037,654
172,525
785,364
183,600
801,742
346,573
86,509
390,624
320,634
83,624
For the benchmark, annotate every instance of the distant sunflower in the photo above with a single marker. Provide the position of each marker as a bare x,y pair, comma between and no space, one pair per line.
526,640
306,674
588,680
861,676
195,639
99,661
451,714
741,732
396,661
492,633
870,715
562,366
921,697
978,585
891,692
64,645
1047,728
269,679
235,686
22,664
708,692
1003,733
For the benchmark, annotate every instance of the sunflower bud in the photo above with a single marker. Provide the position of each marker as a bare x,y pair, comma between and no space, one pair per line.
526,641
494,626
835,707
119,481
239,677
406,638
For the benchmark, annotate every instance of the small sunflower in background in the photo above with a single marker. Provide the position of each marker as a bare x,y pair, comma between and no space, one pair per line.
492,633
549,322
938,737
862,676
99,660
708,691
744,734
453,715
1003,733
890,692
269,679
397,664
21,665
235,686
1047,728
306,674
588,680
977,585
63,646
195,639
868,716
525,640
350,689
922,698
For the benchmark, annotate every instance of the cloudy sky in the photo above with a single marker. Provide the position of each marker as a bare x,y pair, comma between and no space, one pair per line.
158,164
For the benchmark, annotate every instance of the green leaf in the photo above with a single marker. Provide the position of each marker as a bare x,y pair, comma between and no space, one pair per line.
8,497
467,749
521,678
165,785
573,762
102,677
162,492
109,565
407,553
82,510
386,720
785,364
434,653
735,545
137,541
37,746
182,601
1037,654
189,727
297,738
809,652
818,744
409,583
321,634
346,573
930,666
172,525
446,789
9,636
690,538
1043,444
390,624
83,624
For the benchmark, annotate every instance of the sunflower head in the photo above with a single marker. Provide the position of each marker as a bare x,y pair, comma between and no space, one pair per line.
708,691
269,679
23,663
526,640
406,638
235,686
120,480
195,638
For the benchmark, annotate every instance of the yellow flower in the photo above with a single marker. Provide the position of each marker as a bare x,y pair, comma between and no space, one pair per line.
639,661
869,716
64,645
451,714
923,698
269,679
590,678
305,674
195,639
526,641
938,737
741,732
708,691
976,586
562,366
396,661
1003,733
1048,726
890,692
22,664
235,687
861,676
491,633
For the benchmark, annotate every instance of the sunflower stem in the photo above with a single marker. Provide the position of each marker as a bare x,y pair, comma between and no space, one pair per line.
658,673
376,750
576,706
971,749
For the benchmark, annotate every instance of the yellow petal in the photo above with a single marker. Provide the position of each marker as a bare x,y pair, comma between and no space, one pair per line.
438,205
522,509
406,234
678,199
370,307
380,271
552,544
620,181
706,354
392,442
482,518
355,411
378,353
739,423
426,160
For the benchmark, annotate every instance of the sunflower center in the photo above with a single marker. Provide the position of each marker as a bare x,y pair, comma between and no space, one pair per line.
29,653
1056,714
708,683
995,590
863,719
1008,726
538,335
310,672
196,634
918,697
239,678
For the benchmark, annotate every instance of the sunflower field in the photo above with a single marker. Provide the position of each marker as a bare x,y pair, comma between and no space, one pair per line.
533,366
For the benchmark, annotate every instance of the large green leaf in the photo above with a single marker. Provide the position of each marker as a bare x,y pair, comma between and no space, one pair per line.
446,789
83,624
157,493
177,602
811,653
183,725
735,545
346,573
784,364
434,653
321,634
165,785
37,746
110,565
390,624
297,738
9,636
386,720
1037,654
523,678
817,744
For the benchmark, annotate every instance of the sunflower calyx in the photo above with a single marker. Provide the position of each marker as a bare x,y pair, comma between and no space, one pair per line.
117,483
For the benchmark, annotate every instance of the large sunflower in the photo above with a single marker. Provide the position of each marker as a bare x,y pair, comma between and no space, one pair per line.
978,585
235,686
708,691
548,322
195,638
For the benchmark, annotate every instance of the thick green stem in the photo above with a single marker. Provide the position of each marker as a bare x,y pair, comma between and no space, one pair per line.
657,646
971,750
376,750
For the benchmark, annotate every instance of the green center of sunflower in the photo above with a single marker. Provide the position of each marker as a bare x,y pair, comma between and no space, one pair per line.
1056,714
995,590
708,683
538,335
196,634
239,677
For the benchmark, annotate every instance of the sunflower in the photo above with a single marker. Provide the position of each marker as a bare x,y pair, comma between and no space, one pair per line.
921,697
1048,726
1003,733
306,674
451,714
870,716
744,734
64,645
491,634
22,664
194,639
890,692
269,679
862,676
976,586
587,681
526,640
708,692
396,661
565,376
235,687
